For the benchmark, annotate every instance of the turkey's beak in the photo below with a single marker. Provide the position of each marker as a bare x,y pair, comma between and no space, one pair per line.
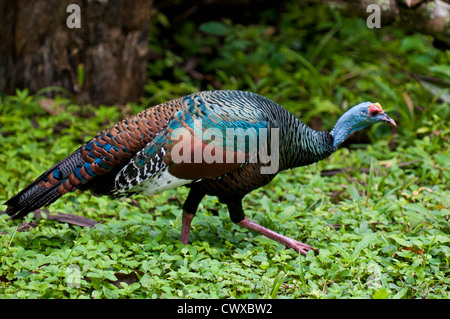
387,119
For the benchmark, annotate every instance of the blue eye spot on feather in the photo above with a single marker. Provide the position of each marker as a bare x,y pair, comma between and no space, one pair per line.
76,171
57,173
87,167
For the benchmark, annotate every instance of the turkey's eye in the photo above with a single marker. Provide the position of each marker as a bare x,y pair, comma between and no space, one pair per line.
375,109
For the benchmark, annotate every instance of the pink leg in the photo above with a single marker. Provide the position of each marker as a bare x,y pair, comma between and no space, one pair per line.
288,242
186,227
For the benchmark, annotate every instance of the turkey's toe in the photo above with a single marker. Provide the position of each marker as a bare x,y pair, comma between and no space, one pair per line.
301,247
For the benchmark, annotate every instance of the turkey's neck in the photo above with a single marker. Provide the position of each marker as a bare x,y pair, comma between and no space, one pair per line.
301,145
346,126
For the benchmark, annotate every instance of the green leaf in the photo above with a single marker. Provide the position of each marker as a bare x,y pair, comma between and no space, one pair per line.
354,194
411,43
363,244
109,275
403,242
417,208
147,281
260,258
314,269
441,68
381,294
400,294
288,213
110,293
266,204
370,186
214,28
277,282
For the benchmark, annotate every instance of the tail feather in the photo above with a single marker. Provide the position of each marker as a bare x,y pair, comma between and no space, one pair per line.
47,188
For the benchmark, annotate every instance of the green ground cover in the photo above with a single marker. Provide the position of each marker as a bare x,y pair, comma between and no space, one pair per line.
382,226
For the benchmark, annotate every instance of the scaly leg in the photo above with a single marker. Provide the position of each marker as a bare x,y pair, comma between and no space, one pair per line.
189,209
238,217
288,242
186,227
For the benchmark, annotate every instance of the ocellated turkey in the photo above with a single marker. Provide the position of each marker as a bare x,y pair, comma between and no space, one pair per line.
141,154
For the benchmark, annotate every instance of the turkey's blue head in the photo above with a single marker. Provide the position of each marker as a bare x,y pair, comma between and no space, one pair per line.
357,118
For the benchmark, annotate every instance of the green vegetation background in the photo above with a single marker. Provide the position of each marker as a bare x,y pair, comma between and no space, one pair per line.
382,228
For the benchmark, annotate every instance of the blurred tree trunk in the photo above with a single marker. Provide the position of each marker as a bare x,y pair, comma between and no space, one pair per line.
99,56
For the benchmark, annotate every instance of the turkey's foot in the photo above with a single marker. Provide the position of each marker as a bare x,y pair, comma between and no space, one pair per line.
288,242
